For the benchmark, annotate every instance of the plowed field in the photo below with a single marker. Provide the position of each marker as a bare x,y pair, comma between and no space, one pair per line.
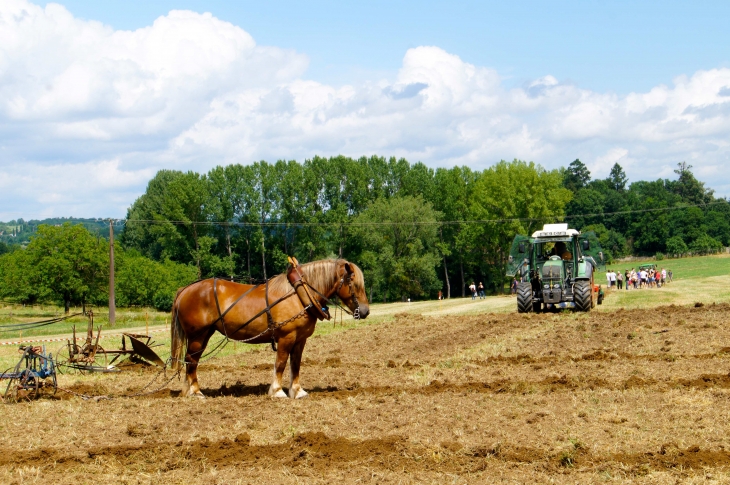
636,396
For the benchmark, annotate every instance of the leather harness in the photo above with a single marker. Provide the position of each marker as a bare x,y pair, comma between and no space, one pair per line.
310,307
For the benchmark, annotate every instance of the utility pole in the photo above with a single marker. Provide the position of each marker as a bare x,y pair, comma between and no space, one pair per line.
263,251
112,299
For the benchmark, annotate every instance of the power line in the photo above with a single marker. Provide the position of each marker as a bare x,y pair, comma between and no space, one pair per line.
419,223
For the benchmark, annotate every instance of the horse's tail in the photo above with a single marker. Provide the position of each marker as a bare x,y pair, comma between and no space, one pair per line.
178,339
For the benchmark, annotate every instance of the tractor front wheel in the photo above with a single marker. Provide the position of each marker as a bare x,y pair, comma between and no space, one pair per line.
582,296
524,297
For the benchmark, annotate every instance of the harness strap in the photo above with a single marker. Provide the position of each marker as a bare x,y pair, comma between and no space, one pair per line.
230,307
215,296
269,318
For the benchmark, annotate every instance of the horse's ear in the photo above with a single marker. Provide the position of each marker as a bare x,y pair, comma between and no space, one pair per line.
348,268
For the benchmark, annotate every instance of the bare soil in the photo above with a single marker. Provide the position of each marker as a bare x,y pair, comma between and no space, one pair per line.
633,396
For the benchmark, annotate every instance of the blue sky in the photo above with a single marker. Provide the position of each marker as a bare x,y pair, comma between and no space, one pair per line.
603,46
96,97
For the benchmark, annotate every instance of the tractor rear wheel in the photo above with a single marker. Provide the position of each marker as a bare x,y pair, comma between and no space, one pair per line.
582,296
524,297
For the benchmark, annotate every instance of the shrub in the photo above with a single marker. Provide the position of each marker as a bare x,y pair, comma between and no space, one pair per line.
144,282
162,301
705,245
676,246
659,256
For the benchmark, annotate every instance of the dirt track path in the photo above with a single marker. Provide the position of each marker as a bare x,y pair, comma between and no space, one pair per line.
106,333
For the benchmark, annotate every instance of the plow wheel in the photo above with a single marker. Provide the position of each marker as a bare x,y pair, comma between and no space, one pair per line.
25,386
64,365
61,358
524,297
582,296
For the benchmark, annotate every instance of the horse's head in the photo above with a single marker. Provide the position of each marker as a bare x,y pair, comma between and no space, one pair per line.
351,288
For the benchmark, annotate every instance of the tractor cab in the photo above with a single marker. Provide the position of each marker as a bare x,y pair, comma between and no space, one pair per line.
555,253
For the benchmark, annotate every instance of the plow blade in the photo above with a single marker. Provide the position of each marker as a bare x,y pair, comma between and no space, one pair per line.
141,349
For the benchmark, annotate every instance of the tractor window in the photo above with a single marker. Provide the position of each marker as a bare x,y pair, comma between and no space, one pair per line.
554,247
545,250
519,251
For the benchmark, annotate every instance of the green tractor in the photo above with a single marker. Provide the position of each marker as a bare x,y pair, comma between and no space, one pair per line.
554,269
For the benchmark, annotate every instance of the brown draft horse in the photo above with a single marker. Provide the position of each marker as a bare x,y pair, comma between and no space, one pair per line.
196,316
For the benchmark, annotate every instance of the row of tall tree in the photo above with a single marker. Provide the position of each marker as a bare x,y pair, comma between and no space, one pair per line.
414,230
648,218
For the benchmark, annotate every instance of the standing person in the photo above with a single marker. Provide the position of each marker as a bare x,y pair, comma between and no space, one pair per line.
613,278
619,281
513,287
664,276
608,277
473,289
669,274
481,291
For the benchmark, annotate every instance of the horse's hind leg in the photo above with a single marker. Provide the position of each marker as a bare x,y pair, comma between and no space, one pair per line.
296,391
196,346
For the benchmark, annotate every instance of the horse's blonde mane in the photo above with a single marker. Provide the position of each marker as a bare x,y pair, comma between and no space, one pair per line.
320,274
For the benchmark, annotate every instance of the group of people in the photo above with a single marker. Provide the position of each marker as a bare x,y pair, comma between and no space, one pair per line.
477,291
643,278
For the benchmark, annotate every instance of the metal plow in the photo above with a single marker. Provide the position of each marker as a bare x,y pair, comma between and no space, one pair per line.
92,357
34,375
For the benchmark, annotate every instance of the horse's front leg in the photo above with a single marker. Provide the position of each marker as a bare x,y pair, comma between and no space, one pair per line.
296,391
285,346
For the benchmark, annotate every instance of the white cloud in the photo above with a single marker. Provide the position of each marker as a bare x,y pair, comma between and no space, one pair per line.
602,165
34,190
88,114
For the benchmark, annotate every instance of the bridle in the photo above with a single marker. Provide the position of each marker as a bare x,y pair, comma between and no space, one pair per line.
355,313
350,283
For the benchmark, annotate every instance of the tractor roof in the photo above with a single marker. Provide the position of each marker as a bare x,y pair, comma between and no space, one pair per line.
555,230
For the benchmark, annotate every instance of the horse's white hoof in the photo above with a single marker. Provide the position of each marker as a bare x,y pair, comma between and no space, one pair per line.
301,393
279,393
196,394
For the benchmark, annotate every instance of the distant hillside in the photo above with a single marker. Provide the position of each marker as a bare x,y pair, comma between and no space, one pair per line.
20,231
